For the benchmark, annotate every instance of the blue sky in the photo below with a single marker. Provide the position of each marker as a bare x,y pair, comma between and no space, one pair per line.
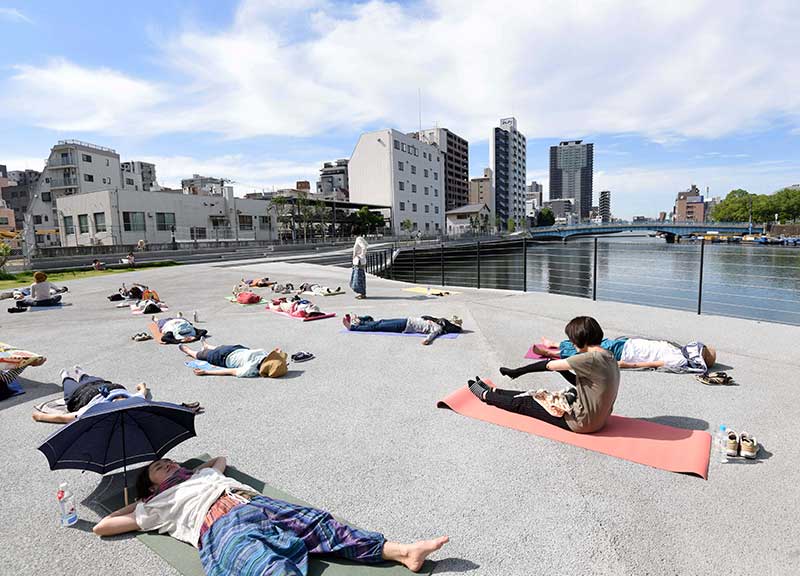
263,91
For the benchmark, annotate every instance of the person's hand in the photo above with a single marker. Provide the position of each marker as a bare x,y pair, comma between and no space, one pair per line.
426,342
200,372
39,361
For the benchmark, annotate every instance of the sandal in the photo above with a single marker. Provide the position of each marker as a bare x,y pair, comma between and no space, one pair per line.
302,356
715,379
141,337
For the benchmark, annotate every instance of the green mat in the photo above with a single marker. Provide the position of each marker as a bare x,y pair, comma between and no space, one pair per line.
186,560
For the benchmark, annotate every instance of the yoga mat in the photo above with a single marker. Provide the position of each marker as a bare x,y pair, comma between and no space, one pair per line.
163,308
233,300
306,319
201,364
448,336
534,356
58,306
186,559
432,291
15,388
324,294
656,445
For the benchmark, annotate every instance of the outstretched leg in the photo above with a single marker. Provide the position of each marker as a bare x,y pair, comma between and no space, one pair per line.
188,351
413,556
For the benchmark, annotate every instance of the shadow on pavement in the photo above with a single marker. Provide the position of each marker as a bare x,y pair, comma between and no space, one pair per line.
679,422
452,565
33,391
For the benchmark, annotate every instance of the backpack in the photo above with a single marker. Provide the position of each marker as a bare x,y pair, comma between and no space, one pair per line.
248,298
135,293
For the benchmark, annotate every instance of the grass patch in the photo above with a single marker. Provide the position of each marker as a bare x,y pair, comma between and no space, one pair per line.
61,276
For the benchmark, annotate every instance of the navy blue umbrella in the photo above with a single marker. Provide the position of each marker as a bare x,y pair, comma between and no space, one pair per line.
118,434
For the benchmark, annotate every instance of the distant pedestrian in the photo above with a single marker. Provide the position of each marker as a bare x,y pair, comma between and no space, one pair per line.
358,278
97,265
130,260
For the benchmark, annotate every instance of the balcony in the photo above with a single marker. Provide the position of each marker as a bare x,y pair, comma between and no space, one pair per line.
66,182
61,162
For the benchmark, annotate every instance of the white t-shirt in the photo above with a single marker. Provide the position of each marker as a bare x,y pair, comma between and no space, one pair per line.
180,511
642,350
246,361
41,290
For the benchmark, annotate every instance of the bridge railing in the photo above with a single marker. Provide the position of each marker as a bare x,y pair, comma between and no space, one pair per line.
756,282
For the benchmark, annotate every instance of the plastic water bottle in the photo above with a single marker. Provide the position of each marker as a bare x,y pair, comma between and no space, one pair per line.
194,317
66,503
721,443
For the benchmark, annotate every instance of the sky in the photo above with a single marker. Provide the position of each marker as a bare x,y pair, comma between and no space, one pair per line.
264,91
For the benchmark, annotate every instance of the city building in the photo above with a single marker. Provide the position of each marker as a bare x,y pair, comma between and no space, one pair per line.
456,164
662,216
535,192
472,218
481,191
303,185
605,206
141,176
561,208
571,173
690,206
199,185
8,228
393,169
507,159
18,196
333,181
5,180
117,217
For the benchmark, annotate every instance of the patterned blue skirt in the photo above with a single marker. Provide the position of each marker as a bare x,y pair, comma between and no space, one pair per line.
358,280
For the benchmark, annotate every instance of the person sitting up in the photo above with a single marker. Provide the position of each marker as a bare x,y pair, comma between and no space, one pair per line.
595,383
97,265
177,330
642,353
130,260
234,526
430,325
239,361
82,391
8,376
42,293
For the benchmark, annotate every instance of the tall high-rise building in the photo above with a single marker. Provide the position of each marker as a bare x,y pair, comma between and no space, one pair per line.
605,206
481,191
456,164
333,181
571,172
390,168
507,159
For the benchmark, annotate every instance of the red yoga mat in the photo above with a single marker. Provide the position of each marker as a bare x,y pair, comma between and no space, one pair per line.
303,319
534,356
656,445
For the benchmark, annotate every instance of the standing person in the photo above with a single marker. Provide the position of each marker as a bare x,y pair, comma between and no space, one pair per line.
41,293
595,381
358,278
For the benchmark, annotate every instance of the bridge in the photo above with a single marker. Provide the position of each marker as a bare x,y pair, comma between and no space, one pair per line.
671,230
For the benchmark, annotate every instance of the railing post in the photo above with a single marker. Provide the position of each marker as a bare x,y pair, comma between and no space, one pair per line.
414,264
479,262
391,260
700,284
524,264
441,261
594,272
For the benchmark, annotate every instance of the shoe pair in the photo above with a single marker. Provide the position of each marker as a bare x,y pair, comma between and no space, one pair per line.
742,445
141,337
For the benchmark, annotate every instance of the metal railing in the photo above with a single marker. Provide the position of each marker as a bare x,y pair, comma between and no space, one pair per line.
754,282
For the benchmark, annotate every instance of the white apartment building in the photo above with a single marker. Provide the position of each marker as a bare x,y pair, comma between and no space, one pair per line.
203,185
119,217
394,169
141,176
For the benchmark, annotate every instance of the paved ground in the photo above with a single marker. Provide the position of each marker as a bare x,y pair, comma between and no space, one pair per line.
357,431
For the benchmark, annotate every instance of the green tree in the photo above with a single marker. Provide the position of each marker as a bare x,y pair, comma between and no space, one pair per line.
407,225
5,254
545,217
511,225
322,211
278,205
367,222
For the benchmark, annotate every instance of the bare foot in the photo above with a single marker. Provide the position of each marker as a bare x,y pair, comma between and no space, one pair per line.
416,553
185,349
346,321
542,351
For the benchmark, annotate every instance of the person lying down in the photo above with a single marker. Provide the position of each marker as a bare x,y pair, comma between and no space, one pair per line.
296,307
238,360
82,391
430,325
177,330
233,526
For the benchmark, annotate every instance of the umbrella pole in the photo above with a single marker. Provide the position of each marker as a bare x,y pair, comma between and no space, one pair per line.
124,462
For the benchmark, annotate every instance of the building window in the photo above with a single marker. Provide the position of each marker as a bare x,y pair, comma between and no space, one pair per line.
3,221
413,207
402,206
427,209
264,223
83,223
129,181
396,144
99,221
37,219
402,185
400,165
427,226
425,172
426,190
88,178
437,225
245,222
85,157
197,233
435,192
435,175
416,152
414,188
69,227
107,162
133,221
165,221
403,147
435,209
413,169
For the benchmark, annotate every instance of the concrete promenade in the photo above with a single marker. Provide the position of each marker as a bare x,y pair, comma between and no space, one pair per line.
357,431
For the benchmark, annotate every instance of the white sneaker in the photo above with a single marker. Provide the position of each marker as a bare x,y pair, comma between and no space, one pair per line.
748,446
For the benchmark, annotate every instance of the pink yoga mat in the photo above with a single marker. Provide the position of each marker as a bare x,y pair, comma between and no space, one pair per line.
656,445
306,319
534,356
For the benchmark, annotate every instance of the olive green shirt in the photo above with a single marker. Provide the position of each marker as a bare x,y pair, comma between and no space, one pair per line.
597,385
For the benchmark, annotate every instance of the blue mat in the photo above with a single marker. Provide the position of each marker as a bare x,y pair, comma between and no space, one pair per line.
201,364
449,336
15,388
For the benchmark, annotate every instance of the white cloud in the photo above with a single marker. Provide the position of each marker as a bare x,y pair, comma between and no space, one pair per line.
14,15
686,69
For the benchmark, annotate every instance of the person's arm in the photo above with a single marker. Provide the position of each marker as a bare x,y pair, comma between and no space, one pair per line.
558,365
119,522
217,372
653,364
8,376
54,418
219,464
437,331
